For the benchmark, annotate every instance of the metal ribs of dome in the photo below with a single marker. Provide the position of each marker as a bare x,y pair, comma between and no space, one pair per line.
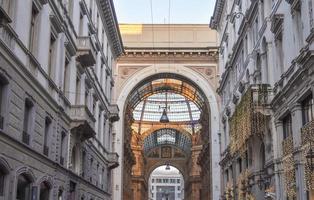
167,136
167,82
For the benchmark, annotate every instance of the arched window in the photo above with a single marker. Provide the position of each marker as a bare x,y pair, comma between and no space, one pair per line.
44,191
23,190
3,174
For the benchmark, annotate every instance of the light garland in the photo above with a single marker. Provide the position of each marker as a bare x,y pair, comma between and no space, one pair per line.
289,168
307,135
243,184
246,120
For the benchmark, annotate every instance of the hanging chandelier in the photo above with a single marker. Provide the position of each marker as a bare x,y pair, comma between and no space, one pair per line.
164,117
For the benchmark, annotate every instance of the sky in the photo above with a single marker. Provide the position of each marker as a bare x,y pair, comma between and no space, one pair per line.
181,11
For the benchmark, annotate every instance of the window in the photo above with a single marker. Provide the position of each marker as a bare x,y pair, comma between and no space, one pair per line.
32,32
83,162
28,112
280,55
3,174
3,95
178,180
78,90
51,55
44,191
60,193
62,147
153,180
178,188
23,189
307,109
72,190
46,135
74,161
152,187
287,126
255,31
66,78
240,165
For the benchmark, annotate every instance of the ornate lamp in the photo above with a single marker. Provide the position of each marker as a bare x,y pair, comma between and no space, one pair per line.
310,158
164,117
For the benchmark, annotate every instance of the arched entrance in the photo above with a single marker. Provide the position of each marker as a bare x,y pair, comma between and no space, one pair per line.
166,182
136,164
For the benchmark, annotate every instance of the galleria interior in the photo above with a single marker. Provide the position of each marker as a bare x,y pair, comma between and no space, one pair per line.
91,109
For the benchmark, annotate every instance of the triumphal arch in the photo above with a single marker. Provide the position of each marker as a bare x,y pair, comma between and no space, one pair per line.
165,89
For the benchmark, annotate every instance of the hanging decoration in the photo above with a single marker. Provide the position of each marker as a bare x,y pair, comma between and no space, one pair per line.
243,186
307,136
248,118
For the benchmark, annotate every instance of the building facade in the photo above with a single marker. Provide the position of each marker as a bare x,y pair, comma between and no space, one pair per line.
266,88
172,67
166,184
56,111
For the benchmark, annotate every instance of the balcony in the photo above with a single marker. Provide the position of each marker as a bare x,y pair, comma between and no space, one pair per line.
114,113
83,122
86,53
307,132
113,159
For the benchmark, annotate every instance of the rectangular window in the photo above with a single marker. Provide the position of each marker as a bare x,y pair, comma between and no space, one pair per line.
32,30
66,78
72,190
78,90
2,178
240,165
307,109
28,109
287,126
51,55
46,135
62,147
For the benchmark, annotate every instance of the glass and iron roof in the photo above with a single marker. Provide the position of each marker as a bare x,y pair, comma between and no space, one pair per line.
167,136
179,108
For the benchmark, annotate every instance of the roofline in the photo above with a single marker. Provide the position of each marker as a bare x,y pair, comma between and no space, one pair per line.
215,19
112,24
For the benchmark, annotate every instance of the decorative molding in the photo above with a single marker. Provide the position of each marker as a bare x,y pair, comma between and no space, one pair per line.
112,25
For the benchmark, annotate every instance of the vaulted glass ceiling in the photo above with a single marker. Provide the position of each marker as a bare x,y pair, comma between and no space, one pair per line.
179,108
167,136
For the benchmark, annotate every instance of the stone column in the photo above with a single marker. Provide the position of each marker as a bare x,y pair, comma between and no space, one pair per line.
277,135
296,115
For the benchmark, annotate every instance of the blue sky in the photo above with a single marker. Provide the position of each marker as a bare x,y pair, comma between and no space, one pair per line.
181,11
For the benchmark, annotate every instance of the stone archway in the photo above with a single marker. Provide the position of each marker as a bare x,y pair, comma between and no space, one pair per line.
204,85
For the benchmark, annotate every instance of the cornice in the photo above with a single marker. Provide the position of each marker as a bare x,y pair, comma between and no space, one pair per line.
215,19
175,52
110,19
